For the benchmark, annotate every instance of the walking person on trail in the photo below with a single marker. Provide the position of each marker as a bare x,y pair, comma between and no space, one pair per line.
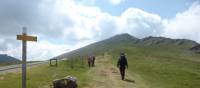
89,61
93,61
122,65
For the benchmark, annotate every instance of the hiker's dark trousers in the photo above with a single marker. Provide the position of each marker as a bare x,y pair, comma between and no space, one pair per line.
89,64
93,63
122,72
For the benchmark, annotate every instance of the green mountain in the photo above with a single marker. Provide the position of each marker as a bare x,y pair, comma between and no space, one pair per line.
168,41
124,40
5,59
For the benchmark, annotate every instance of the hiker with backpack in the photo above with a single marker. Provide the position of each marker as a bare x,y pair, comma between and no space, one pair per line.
89,61
93,61
122,65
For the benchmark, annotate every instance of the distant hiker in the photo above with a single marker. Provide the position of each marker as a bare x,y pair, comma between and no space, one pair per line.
122,64
93,61
89,61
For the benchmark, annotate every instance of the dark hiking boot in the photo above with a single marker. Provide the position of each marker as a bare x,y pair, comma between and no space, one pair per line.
122,78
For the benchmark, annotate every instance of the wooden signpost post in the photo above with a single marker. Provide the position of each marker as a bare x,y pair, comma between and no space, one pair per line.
24,37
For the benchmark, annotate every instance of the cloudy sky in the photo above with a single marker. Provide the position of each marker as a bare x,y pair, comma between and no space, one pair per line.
65,25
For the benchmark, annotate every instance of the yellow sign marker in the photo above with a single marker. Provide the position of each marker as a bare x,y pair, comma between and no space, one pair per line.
26,38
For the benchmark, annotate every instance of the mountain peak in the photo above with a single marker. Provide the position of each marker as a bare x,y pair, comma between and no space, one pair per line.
124,36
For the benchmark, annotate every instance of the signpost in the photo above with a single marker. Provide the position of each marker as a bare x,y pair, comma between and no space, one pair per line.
24,37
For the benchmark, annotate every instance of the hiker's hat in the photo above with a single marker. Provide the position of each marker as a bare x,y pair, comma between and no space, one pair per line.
122,54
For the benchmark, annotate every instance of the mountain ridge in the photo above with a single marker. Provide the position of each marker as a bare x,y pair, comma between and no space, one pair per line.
126,39
6,59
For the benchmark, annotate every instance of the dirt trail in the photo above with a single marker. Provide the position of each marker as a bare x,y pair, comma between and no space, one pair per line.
106,75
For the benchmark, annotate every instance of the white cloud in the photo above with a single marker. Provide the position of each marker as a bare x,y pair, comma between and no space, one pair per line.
76,25
185,24
39,51
140,23
116,2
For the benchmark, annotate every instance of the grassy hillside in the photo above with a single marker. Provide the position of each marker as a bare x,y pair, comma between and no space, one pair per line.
43,75
163,67
161,62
